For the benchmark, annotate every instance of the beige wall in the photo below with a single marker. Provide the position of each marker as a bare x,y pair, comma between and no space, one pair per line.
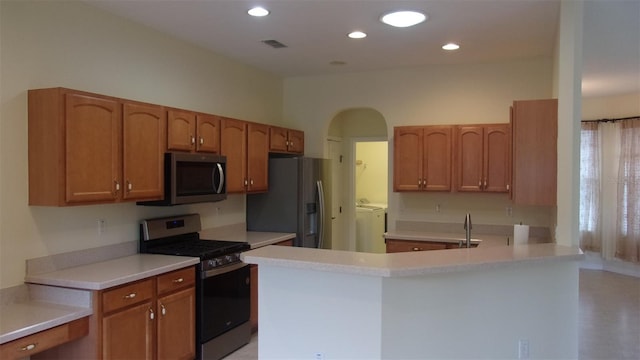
611,107
70,44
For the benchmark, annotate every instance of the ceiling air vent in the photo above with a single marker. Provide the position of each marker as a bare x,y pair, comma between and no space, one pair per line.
274,44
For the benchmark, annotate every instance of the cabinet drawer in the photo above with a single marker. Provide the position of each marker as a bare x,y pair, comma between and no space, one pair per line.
407,246
32,344
127,295
176,280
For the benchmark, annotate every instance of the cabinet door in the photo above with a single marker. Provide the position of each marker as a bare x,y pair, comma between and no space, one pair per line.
535,129
296,141
208,134
181,130
92,149
469,159
176,325
129,334
143,137
497,158
233,145
257,157
407,158
278,139
394,246
437,158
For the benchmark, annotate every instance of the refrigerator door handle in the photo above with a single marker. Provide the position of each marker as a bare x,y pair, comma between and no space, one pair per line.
320,213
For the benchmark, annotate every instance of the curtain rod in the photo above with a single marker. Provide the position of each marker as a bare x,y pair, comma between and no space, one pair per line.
613,120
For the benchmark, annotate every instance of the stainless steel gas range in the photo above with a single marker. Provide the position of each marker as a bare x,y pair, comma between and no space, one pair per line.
223,286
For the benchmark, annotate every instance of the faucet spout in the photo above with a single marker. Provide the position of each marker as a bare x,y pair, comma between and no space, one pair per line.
467,227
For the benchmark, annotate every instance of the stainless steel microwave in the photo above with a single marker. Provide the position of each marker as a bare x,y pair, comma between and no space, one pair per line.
192,178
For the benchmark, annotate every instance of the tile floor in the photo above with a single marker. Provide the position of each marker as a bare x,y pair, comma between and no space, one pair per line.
609,318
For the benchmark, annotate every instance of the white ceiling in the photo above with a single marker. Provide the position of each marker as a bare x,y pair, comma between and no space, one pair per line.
315,32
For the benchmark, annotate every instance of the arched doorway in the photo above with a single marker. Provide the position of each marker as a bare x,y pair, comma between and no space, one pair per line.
357,142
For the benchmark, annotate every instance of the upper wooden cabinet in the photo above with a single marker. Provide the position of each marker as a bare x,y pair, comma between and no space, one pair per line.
189,131
283,140
483,158
422,158
535,132
87,148
246,146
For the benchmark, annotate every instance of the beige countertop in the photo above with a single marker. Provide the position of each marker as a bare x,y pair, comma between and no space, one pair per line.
408,263
239,233
106,274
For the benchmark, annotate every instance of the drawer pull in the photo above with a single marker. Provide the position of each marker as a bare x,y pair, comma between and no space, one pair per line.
28,347
163,309
130,296
152,315
416,249
178,280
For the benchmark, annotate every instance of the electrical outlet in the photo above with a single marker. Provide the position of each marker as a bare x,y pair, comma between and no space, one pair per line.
102,227
437,208
509,211
318,356
523,349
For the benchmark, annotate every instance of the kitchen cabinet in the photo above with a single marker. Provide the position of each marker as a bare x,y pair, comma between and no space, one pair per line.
189,131
43,340
253,318
246,146
397,245
86,148
483,158
535,132
286,141
422,158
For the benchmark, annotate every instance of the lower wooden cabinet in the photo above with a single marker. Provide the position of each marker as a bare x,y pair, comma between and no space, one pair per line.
396,245
44,340
153,318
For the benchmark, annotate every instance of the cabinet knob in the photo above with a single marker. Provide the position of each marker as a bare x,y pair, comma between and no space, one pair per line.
130,296
178,280
193,140
116,186
29,347
508,187
416,249
163,310
201,141
129,186
152,315
485,183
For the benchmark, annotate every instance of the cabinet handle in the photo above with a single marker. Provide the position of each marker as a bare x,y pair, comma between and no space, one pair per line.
246,182
193,139
287,142
163,310
29,347
152,315
480,183
178,280
419,182
251,182
485,184
416,249
201,141
130,296
129,186
116,186
507,187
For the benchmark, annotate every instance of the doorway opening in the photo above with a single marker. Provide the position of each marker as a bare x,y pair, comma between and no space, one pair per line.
358,144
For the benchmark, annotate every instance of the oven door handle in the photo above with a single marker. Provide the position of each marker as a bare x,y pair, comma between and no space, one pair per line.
223,270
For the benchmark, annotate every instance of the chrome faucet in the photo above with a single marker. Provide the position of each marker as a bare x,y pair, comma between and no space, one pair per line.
467,227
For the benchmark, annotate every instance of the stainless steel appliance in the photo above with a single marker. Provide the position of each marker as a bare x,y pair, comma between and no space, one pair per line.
223,286
192,178
298,201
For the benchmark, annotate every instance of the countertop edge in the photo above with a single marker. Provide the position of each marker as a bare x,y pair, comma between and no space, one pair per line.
57,278
30,329
412,263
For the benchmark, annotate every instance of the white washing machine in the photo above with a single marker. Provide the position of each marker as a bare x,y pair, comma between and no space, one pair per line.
370,229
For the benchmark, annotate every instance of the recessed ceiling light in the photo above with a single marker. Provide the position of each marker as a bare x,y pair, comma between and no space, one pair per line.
337,63
258,11
451,46
403,18
357,35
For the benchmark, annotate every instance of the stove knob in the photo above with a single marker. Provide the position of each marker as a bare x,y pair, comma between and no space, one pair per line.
228,258
211,263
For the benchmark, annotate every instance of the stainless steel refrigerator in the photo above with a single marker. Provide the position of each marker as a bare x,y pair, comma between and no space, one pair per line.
298,201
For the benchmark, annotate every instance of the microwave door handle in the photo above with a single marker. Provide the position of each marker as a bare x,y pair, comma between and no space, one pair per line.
221,185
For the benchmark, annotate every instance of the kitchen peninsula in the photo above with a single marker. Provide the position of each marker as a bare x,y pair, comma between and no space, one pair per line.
494,302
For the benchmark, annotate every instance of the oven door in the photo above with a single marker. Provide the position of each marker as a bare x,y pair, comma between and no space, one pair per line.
224,304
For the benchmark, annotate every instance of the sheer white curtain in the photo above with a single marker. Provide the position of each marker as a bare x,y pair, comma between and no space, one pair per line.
628,224
610,189
590,230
